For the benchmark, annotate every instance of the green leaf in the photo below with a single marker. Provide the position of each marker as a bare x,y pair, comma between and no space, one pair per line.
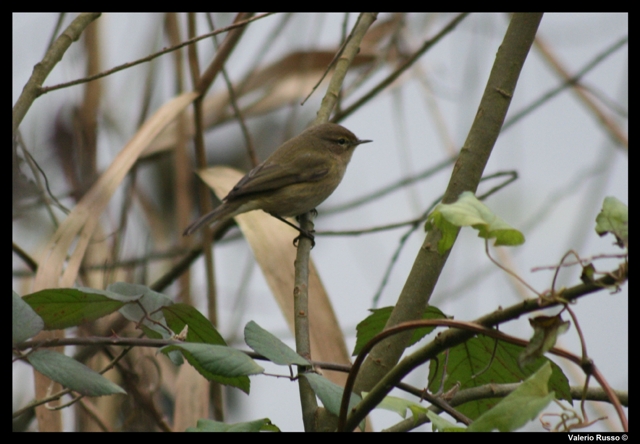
263,342
330,394
152,317
468,211
399,405
375,322
259,425
588,273
71,374
468,364
441,424
26,322
200,328
217,363
449,231
546,330
67,307
519,407
614,219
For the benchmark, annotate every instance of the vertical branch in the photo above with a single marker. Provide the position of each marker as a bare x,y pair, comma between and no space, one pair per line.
201,162
301,324
89,110
301,294
222,55
202,84
205,200
466,176
351,49
182,165
191,393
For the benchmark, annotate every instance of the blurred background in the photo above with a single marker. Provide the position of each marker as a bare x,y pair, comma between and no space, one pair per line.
570,151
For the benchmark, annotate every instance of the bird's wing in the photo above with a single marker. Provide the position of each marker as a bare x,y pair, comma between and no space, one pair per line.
271,175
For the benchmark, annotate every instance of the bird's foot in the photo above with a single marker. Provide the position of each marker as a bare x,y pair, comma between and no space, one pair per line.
307,234
314,214
303,233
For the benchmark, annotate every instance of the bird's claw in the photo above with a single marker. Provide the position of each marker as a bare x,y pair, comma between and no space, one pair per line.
314,214
306,234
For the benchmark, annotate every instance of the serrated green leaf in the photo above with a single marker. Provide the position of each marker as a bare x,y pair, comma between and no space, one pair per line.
519,407
614,218
259,425
375,322
468,211
200,328
68,307
468,363
329,393
26,322
72,374
218,363
152,301
263,342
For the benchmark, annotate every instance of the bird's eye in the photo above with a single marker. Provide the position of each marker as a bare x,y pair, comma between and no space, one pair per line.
342,141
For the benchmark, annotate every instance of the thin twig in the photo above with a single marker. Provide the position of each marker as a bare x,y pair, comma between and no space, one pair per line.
392,262
569,82
505,269
28,260
234,103
326,71
56,29
31,90
614,131
390,188
224,51
513,176
580,261
394,75
46,89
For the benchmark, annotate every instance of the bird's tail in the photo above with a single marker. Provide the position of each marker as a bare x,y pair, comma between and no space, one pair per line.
218,215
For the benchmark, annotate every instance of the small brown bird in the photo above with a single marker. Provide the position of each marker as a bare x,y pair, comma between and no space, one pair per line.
294,180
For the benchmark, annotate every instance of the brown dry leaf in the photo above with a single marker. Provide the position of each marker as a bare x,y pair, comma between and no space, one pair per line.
280,84
286,81
271,243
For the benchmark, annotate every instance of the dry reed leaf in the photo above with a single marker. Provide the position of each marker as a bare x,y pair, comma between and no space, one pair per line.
80,224
280,84
192,398
271,243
